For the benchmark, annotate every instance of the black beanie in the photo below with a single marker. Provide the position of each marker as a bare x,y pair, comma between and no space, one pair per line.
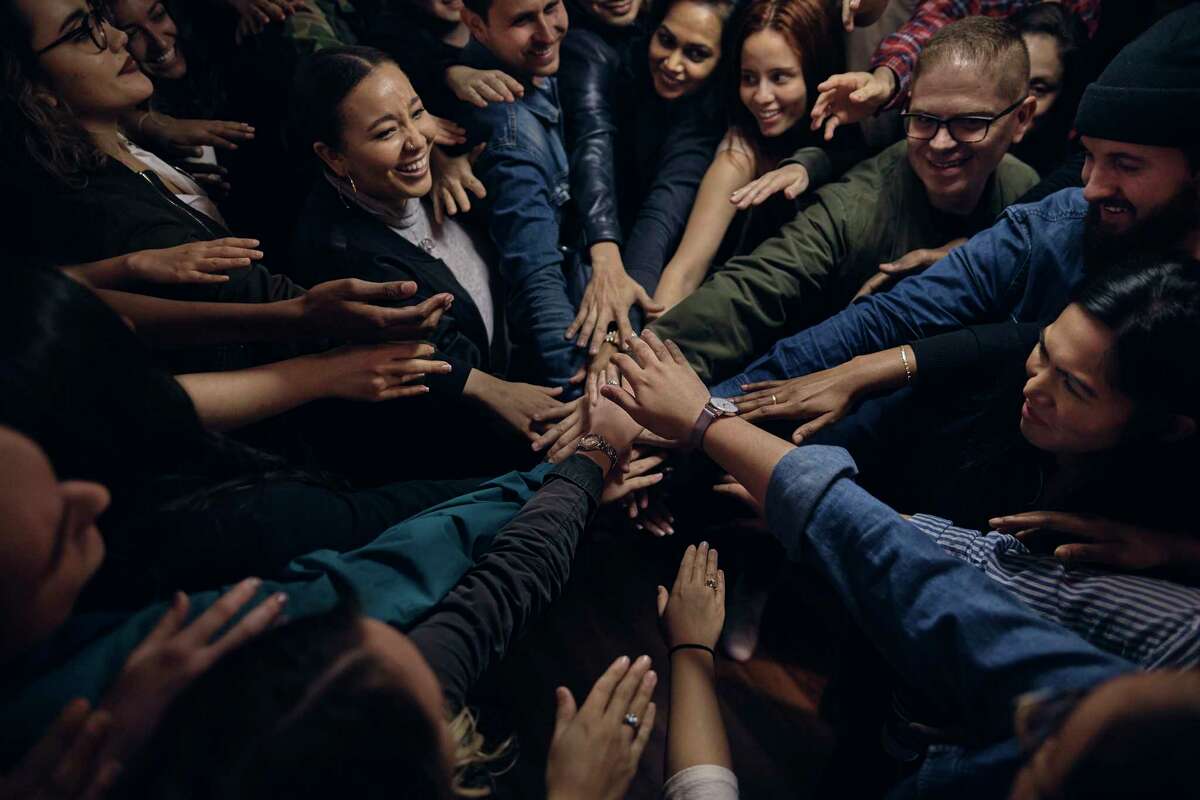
1150,93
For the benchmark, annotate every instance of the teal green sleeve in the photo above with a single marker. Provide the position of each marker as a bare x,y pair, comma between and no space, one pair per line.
396,578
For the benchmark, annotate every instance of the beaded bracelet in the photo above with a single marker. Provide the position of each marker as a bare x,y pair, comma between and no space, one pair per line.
907,369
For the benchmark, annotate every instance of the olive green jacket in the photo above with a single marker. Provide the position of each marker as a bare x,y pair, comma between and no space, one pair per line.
876,213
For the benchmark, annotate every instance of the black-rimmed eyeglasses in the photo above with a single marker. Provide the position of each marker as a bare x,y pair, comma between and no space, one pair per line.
91,25
966,129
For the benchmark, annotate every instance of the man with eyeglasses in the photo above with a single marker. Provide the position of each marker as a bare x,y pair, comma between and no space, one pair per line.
949,179
1139,125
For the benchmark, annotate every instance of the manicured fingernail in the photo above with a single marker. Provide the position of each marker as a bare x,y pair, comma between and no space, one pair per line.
704,544
651,678
643,660
280,598
623,660
254,582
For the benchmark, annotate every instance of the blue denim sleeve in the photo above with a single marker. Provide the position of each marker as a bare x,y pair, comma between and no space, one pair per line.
941,623
524,197
975,283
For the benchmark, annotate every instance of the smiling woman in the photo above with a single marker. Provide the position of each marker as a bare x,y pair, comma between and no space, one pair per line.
686,48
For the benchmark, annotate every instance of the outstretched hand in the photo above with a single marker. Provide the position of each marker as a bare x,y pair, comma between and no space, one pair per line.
482,86
606,302
175,654
667,395
851,97
454,182
1102,541
350,308
693,612
911,263
67,763
791,179
194,262
594,752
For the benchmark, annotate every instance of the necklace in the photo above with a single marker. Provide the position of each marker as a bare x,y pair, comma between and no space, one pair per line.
427,245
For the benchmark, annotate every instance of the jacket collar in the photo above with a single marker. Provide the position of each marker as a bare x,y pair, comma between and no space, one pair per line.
541,101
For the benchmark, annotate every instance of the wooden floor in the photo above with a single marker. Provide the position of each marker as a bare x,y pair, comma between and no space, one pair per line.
781,746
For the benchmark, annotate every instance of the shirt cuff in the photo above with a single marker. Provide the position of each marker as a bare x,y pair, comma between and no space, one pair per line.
799,482
584,473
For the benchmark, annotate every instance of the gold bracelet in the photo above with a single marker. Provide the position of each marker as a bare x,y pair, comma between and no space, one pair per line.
904,360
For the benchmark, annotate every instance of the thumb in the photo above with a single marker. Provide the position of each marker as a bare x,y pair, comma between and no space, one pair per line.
904,263
663,597
475,151
622,398
551,391
647,302
566,709
809,428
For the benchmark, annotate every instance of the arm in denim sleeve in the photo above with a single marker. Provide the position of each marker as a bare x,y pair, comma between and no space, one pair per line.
942,624
660,221
522,213
977,282
899,51
586,84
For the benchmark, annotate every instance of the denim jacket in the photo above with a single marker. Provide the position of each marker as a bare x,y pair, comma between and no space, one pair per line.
1023,268
951,632
524,168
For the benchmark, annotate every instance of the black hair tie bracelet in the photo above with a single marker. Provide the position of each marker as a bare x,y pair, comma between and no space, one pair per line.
703,647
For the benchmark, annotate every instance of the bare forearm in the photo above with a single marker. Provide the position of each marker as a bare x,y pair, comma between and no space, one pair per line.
696,734
104,274
746,452
174,323
229,400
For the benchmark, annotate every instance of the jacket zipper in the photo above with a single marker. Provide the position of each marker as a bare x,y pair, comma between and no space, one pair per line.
175,201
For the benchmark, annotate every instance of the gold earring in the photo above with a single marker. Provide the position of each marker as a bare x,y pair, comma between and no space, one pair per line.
350,178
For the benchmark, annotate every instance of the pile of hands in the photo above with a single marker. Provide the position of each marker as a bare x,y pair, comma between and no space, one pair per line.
594,752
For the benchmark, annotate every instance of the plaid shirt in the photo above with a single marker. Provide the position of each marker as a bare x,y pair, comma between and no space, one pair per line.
899,51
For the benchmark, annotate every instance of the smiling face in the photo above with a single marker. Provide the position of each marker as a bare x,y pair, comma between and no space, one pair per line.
617,13
445,10
386,138
525,35
1045,71
153,37
96,84
49,544
1071,403
772,83
1138,192
686,49
955,173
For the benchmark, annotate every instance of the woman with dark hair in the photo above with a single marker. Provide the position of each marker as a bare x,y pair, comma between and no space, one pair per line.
1058,71
784,48
369,216
642,118
1107,417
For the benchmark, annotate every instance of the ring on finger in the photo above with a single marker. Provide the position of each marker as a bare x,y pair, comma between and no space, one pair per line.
774,400
711,582
611,337
631,719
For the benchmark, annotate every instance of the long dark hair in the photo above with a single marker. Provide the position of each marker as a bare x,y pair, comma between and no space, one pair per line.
807,27
39,135
303,711
1152,306
321,85
80,383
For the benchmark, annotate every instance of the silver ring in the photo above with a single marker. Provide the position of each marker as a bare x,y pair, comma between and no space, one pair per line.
774,400
611,337
631,719
711,583
613,382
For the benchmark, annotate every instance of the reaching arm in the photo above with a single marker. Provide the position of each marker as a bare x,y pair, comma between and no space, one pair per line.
706,226
228,400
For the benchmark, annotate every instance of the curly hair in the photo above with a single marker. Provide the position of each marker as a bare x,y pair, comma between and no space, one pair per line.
39,133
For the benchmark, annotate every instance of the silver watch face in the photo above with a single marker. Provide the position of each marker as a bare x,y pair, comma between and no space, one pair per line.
725,406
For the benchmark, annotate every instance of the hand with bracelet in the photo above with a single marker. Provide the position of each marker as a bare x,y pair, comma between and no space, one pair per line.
825,397
692,615
608,439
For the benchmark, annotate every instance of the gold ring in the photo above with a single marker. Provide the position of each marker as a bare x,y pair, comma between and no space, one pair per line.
611,337
774,400
711,583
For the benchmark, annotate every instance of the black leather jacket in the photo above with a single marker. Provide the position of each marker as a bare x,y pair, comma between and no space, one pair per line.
636,160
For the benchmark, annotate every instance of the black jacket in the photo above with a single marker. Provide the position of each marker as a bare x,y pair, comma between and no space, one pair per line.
335,239
636,159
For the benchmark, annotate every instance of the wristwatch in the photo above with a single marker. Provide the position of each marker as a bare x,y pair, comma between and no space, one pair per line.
714,409
591,442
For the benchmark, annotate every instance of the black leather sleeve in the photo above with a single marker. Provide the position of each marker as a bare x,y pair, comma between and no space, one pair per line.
587,82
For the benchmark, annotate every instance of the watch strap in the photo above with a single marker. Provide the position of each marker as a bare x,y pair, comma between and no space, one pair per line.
596,442
708,415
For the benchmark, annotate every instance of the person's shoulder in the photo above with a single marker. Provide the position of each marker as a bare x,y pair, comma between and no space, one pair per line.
1015,177
1066,205
585,45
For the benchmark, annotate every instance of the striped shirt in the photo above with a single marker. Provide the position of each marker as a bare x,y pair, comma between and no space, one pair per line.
1150,621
